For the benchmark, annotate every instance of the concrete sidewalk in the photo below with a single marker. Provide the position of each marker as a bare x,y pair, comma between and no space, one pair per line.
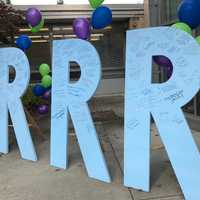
24,180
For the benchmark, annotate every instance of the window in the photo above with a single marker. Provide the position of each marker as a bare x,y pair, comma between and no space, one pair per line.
48,2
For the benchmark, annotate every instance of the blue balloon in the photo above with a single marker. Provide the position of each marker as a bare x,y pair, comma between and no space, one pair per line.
38,90
101,17
23,42
189,12
48,88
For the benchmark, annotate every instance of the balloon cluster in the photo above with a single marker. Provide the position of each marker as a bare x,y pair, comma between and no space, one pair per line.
101,18
43,89
34,19
35,23
189,18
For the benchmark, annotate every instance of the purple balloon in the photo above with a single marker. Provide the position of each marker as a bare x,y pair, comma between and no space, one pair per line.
169,72
43,109
33,16
81,27
165,63
162,61
47,95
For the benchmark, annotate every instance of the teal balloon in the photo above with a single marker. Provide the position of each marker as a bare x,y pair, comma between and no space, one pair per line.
101,17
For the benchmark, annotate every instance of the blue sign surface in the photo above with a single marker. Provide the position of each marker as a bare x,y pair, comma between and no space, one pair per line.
10,94
72,98
164,102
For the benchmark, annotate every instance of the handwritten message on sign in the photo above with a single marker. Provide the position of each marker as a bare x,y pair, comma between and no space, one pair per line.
164,102
142,99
